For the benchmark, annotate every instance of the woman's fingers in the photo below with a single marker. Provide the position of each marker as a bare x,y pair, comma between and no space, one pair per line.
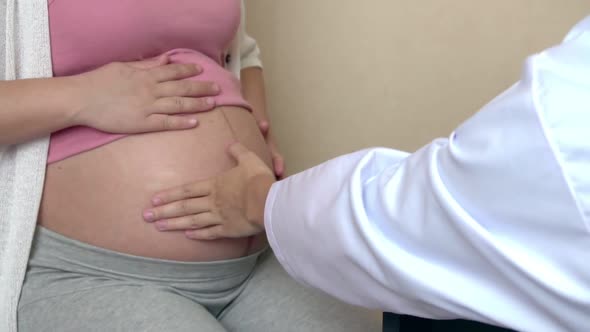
187,88
279,165
177,105
150,63
176,71
179,208
264,127
196,221
161,122
277,159
178,97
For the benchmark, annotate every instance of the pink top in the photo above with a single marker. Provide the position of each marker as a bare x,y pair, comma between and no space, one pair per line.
87,34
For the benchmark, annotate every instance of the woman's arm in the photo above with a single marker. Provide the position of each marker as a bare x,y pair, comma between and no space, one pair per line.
252,79
36,107
253,90
120,98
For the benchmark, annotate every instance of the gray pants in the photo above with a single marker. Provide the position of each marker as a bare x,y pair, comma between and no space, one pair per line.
72,286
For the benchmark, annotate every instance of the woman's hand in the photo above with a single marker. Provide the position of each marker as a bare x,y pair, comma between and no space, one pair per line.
142,96
278,162
230,205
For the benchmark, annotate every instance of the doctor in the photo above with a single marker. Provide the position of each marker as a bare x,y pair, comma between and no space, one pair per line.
491,224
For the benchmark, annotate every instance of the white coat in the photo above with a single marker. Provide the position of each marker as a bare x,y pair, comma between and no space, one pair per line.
491,224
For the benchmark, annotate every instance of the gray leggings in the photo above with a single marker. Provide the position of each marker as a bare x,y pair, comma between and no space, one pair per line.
72,286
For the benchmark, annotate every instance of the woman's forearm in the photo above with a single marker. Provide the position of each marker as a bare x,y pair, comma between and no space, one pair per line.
36,107
123,98
254,92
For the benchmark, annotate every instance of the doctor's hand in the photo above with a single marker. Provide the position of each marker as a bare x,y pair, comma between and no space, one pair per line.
230,205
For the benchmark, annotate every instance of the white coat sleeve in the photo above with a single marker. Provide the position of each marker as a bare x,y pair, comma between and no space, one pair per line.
487,225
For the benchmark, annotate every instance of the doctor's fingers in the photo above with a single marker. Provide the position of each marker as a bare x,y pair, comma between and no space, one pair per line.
207,233
239,152
189,190
191,222
179,208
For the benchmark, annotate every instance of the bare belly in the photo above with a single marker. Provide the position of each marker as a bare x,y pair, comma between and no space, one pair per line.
98,196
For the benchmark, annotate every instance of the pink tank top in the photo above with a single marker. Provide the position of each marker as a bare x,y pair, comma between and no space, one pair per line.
87,34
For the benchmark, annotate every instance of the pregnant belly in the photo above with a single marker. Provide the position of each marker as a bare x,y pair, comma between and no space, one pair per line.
98,196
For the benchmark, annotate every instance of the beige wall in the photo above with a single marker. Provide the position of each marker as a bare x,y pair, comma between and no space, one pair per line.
347,74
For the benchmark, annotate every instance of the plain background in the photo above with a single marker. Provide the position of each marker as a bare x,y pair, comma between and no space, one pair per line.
347,74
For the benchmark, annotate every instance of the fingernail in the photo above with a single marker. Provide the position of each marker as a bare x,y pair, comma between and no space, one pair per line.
215,88
161,225
156,201
193,122
198,68
148,216
210,101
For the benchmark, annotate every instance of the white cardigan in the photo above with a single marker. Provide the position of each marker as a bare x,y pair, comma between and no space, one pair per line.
26,53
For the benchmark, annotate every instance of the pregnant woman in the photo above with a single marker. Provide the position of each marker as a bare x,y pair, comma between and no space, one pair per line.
123,129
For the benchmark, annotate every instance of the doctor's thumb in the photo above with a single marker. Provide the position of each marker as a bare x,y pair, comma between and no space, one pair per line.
237,151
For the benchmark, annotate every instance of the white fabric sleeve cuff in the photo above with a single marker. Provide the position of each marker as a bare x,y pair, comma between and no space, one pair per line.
270,229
